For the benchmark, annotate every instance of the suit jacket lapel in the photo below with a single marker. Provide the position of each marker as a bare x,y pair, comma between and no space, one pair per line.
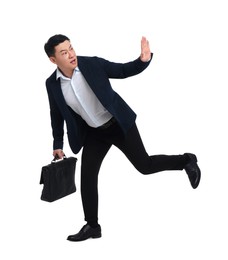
56,90
91,77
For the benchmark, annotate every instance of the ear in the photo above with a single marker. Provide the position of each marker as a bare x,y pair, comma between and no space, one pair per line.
53,60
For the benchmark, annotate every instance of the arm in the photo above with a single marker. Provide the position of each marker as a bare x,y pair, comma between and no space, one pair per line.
57,123
124,70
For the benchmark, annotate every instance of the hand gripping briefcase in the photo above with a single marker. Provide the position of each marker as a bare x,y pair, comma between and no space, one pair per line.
58,179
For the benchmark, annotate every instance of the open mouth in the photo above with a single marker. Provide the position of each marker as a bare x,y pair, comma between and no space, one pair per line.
73,61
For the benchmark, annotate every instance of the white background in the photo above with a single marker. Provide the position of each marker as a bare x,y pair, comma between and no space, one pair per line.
181,103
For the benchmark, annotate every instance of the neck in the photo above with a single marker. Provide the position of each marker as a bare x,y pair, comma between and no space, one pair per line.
67,73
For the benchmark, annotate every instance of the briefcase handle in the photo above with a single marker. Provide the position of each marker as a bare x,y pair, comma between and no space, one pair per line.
57,159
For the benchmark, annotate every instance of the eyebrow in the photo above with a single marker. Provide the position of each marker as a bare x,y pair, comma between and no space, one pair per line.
66,49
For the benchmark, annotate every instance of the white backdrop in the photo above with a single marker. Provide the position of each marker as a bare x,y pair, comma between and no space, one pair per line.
181,105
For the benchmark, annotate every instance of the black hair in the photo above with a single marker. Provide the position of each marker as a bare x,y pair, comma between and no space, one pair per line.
55,40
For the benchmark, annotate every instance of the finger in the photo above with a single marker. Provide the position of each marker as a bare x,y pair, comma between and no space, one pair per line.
145,44
143,39
60,154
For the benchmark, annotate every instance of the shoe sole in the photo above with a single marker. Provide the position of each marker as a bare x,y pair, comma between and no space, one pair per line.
79,240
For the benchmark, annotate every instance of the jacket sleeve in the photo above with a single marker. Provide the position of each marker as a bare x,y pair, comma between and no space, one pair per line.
124,70
57,122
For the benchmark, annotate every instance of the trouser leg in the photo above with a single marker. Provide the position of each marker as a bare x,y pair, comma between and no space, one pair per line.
132,146
93,154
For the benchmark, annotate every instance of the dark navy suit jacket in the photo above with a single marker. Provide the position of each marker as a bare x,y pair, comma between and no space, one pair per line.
97,72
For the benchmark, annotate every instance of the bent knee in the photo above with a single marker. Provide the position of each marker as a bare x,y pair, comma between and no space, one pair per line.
146,170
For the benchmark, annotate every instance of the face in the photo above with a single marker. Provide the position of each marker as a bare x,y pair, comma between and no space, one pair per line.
65,57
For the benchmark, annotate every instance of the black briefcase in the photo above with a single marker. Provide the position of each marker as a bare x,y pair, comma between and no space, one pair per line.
58,179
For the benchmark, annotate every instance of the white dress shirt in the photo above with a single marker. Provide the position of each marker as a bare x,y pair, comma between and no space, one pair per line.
80,97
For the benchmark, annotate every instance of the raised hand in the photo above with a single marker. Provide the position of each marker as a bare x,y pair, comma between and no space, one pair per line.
145,50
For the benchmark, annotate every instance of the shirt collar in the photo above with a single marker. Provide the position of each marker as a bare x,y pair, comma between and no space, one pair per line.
59,74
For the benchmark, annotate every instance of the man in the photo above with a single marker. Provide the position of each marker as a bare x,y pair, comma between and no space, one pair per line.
96,117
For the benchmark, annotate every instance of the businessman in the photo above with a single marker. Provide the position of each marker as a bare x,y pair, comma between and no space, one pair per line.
96,117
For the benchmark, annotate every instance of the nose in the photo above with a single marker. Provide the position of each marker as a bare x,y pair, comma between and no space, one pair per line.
71,53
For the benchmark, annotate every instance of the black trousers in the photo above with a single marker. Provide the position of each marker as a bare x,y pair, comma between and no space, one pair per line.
96,147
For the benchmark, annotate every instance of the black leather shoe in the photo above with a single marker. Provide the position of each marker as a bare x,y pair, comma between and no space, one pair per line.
86,232
193,170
